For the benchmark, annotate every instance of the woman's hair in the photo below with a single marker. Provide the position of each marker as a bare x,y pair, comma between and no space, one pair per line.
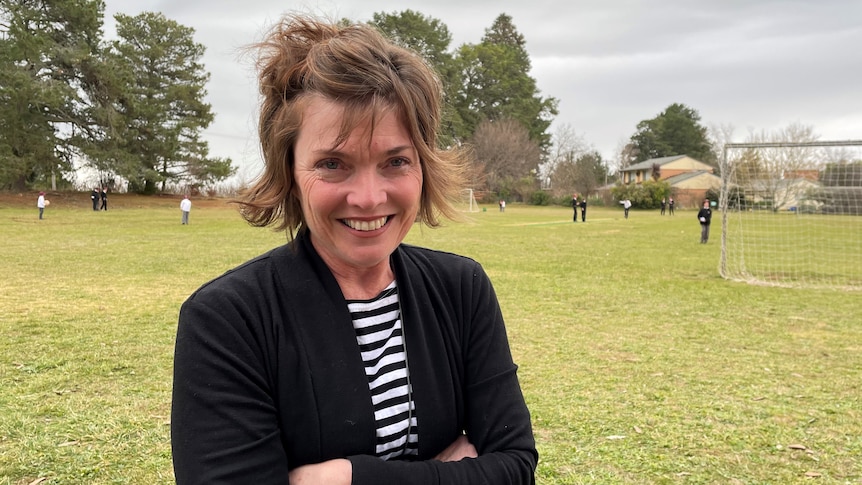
367,74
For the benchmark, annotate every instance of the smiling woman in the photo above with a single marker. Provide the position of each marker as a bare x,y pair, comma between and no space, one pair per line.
346,356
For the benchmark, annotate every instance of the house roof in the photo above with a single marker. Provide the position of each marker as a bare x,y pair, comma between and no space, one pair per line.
687,176
647,164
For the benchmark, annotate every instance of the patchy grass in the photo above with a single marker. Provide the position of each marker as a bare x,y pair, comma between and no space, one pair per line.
639,364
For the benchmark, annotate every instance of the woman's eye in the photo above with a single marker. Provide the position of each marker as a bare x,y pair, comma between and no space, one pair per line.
399,162
328,164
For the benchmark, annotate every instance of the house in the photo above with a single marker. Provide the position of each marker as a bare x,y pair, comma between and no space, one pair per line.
689,179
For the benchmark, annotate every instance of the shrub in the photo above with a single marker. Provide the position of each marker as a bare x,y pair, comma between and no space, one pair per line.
540,197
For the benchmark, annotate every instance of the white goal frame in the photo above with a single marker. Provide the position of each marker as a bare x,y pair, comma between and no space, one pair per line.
468,201
799,233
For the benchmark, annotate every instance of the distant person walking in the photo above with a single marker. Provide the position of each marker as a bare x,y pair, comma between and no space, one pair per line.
186,207
584,209
575,207
104,206
663,205
670,205
704,216
94,197
41,203
502,205
627,204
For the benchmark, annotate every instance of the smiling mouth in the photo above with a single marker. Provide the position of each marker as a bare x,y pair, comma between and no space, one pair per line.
365,226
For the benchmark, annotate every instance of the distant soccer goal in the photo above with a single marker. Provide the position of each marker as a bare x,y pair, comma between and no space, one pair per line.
468,201
792,214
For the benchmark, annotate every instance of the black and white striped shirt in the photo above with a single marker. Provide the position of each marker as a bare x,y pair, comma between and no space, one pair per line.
377,323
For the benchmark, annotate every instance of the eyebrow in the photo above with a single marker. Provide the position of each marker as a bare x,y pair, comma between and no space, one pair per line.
342,154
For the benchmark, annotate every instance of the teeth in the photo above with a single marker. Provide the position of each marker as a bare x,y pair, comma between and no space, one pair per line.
365,225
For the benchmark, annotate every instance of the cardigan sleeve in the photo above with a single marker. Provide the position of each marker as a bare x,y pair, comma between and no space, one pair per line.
497,420
224,423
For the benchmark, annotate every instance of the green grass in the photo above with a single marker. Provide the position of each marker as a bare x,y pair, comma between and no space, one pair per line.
639,363
803,250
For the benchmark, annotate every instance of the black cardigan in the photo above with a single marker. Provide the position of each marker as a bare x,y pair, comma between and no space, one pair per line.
268,375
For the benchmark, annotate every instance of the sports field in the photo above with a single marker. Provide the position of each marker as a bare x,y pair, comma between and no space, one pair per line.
639,363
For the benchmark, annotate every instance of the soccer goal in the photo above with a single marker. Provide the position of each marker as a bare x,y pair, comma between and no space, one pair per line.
792,214
468,201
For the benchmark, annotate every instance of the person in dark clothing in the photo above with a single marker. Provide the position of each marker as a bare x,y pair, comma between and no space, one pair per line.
94,197
704,216
104,206
663,205
584,209
670,205
347,357
575,205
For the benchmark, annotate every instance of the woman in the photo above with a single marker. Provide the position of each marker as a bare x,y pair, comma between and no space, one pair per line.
346,356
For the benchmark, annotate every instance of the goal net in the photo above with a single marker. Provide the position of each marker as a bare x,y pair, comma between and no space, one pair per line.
792,214
468,201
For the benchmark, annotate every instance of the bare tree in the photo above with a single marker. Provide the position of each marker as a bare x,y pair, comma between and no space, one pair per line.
507,156
718,136
627,154
776,174
567,146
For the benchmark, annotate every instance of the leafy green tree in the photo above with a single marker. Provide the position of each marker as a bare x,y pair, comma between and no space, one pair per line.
496,84
47,49
676,131
163,114
431,39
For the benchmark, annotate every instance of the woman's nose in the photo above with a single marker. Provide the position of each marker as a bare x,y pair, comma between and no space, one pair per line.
367,189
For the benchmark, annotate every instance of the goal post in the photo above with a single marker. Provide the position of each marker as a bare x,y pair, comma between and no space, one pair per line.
792,214
468,201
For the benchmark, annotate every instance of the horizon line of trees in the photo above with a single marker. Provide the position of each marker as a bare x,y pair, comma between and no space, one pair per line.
132,109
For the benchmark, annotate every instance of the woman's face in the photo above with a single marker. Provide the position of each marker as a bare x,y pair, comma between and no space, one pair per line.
359,198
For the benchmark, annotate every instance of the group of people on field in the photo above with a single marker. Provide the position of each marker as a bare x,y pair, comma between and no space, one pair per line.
579,204
99,195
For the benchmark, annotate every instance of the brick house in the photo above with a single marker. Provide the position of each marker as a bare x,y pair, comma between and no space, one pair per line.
689,179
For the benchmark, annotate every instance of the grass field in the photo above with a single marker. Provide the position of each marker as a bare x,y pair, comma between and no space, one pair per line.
639,363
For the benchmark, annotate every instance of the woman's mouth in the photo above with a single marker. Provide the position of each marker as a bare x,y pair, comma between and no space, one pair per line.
365,226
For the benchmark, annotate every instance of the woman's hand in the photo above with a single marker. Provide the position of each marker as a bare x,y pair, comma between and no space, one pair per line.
461,448
332,472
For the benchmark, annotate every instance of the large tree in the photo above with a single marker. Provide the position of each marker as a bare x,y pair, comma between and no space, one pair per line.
496,84
675,131
431,39
47,52
164,113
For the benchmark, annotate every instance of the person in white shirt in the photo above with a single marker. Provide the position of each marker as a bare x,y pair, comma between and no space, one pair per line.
186,207
40,203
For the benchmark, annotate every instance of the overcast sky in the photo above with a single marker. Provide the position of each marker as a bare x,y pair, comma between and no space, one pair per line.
751,64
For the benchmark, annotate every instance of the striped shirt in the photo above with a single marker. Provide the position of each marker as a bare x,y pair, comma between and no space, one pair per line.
377,323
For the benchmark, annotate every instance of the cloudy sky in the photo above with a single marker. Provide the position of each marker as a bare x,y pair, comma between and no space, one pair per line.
752,65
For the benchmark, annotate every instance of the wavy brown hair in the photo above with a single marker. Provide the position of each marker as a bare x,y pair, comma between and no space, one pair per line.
367,74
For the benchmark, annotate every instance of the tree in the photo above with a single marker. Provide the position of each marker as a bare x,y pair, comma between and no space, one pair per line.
431,39
566,146
841,192
508,158
46,51
496,84
676,131
774,175
581,175
164,112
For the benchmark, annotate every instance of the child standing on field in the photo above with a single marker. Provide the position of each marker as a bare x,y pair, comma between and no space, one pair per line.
40,203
